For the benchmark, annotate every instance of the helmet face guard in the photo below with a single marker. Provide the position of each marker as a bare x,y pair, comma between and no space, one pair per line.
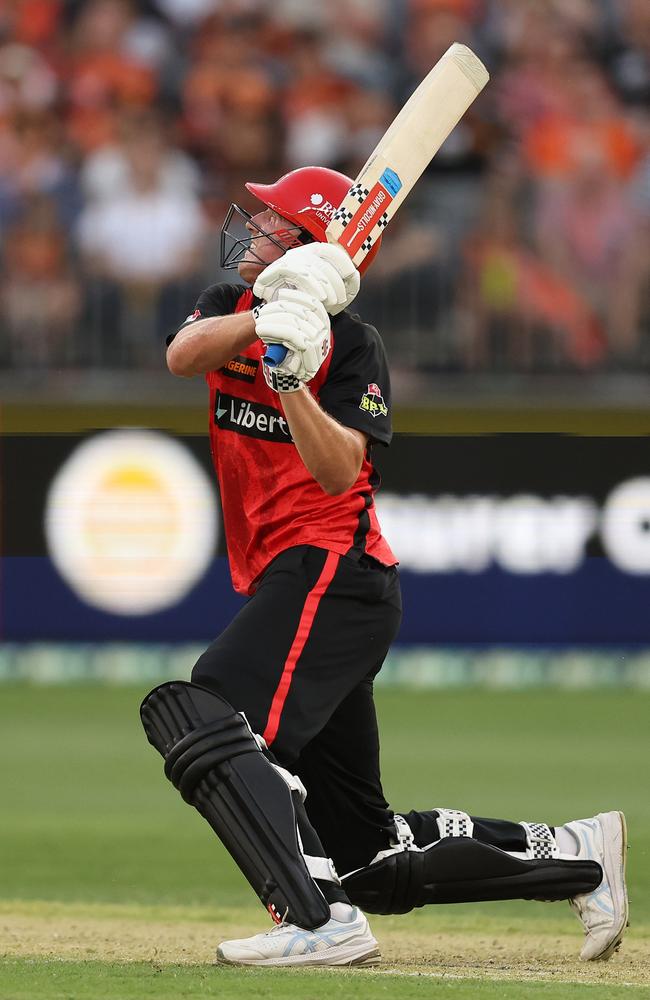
233,246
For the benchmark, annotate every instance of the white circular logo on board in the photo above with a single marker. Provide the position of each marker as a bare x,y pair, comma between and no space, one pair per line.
316,199
130,521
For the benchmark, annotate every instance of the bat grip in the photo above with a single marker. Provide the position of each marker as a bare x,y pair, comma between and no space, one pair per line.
275,355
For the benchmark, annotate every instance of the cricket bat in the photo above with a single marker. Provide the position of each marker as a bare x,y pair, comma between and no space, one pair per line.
402,154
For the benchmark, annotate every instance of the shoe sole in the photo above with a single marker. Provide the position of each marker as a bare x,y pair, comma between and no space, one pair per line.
615,872
337,956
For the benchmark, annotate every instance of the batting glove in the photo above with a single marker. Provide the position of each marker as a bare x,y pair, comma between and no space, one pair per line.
300,323
322,270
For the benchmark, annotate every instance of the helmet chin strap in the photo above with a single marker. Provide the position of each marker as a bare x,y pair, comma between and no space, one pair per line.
234,248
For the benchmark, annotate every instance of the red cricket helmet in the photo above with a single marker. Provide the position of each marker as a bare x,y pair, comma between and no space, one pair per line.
309,196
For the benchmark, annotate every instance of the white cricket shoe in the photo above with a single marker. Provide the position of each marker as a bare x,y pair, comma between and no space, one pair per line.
335,943
603,912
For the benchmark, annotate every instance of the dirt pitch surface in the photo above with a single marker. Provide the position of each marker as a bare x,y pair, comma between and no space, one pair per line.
132,934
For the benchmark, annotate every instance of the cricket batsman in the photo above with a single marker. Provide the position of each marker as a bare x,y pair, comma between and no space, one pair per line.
275,739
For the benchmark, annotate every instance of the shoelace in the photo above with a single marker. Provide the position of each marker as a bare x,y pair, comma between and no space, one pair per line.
283,925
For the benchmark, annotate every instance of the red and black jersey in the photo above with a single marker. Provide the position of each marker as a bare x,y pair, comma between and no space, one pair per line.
270,501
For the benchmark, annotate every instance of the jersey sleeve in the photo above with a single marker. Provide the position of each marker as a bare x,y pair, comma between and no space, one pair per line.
216,300
356,391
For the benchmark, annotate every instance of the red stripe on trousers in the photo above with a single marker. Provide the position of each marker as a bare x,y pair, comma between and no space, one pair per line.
302,634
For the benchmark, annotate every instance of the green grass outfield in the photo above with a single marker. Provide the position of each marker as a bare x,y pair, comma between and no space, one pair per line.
112,887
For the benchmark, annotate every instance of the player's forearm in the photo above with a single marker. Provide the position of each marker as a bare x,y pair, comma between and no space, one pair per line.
210,343
331,452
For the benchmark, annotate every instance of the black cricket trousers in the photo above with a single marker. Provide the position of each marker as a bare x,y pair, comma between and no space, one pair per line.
299,660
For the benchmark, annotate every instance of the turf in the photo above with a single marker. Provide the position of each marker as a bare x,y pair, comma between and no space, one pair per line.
89,821
113,981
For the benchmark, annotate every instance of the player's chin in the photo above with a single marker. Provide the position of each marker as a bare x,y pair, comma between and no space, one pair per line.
249,270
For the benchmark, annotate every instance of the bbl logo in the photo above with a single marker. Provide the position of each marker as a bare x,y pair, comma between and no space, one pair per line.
372,401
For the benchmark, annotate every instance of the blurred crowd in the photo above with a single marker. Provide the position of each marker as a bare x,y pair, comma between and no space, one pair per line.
126,129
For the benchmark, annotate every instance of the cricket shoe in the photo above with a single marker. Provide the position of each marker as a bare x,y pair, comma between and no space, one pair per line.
603,912
335,943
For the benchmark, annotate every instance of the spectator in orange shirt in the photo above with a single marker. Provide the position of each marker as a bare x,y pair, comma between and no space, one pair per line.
591,117
104,76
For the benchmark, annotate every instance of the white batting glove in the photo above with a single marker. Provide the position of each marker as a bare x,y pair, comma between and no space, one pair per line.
323,270
300,323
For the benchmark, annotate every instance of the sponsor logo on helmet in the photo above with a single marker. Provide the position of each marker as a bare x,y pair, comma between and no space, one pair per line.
317,199
324,209
372,401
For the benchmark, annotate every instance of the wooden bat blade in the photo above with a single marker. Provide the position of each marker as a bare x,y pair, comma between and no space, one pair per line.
406,149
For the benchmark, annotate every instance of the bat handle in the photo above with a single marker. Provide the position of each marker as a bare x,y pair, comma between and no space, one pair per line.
275,355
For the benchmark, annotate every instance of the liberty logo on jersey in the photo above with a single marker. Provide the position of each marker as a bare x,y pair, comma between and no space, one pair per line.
372,401
252,419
